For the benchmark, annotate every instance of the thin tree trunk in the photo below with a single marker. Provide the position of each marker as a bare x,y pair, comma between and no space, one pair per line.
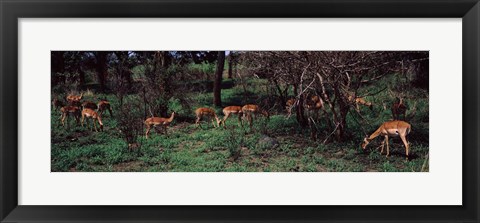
217,101
82,78
230,65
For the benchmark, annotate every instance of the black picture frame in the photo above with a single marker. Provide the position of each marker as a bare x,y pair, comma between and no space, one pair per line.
11,11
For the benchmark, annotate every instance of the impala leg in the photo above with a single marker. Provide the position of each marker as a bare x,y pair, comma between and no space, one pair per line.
225,120
146,132
111,113
405,143
197,122
383,145
95,125
246,117
213,121
388,148
250,120
63,119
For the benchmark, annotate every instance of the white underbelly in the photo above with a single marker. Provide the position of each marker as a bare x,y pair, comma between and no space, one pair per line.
392,132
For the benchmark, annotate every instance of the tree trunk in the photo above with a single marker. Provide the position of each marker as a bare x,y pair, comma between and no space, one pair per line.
342,119
82,77
299,111
126,74
230,65
282,97
101,68
217,86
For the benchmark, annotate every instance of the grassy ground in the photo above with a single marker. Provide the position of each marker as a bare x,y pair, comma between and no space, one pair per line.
279,145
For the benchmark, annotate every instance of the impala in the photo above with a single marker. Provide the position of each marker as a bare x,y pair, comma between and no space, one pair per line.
314,103
227,111
399,108
250,110
155,121
89,113
360,101
206,112
104,105
69,111
289,106
90,105
74,98
57,103
390,129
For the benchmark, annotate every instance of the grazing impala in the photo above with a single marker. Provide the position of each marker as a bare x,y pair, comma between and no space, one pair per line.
155,121
70,111
90,105
89,113
104,105
227,111
206,112
399,108
250,110
57,104
392,129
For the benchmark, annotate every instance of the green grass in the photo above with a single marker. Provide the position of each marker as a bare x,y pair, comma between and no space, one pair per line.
237,149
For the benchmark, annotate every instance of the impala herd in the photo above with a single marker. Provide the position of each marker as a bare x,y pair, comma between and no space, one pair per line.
83,111
86,110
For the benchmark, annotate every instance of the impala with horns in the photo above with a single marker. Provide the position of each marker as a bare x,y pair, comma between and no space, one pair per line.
91,114
200,113
68,111
227,111
104,105
158,121
390,129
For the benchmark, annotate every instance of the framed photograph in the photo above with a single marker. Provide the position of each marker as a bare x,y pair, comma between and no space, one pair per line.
229,111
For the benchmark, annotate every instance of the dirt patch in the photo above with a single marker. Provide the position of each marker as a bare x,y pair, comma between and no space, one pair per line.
128,166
